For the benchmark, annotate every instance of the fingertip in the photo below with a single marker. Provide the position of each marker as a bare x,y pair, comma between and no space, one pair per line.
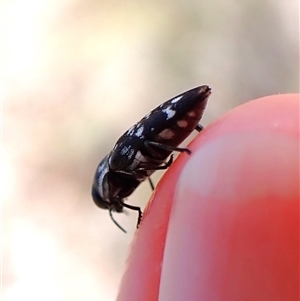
234,219
234,213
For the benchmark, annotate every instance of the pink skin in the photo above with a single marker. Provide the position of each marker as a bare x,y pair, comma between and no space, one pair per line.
223,223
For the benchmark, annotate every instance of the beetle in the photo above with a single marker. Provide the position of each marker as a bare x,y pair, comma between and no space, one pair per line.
146,147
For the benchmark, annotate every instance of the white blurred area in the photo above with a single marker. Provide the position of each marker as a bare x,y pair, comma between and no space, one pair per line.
74,76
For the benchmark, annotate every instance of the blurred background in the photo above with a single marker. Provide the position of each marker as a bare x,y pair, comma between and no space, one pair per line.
75,76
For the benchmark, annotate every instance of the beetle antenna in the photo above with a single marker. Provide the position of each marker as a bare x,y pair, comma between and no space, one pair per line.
115,222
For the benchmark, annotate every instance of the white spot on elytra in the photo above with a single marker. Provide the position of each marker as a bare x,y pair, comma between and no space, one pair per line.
191,114
182,123
152,129
147,116
131,130
131,153
166,134
170,113
176,99
125,150
139,131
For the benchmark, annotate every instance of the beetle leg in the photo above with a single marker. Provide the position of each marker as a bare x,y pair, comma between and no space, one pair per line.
199,128
151,183
133,208
161,167
165,166
167,147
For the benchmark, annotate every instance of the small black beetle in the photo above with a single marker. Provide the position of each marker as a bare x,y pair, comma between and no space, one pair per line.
145,148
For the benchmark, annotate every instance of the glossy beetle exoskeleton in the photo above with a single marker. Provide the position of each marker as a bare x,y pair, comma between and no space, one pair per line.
145,148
